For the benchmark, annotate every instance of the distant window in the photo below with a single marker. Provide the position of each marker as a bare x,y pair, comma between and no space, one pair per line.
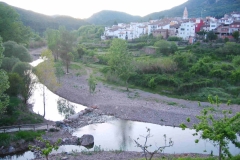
182,29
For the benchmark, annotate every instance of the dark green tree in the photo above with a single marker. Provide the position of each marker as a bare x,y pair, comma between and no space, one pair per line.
28,84
11,26
211,36
53,41
21,68
4,84
236,35
12,49
8,63
16,83
67,43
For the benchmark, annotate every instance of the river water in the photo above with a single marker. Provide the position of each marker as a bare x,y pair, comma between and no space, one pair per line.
118,134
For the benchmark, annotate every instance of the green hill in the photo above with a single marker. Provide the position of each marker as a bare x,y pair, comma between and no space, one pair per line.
39,22
215,8
107,17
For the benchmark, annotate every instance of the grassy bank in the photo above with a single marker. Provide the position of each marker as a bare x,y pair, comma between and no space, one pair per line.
18,113
7,138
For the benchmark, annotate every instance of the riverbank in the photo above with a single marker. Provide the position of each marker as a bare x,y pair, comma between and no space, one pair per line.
136,105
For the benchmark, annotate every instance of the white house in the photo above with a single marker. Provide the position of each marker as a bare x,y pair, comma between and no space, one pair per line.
186,30
213,25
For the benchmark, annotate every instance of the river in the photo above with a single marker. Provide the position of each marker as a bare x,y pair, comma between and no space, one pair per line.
118,134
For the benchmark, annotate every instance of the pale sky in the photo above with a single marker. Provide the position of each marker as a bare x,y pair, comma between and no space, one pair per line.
85,8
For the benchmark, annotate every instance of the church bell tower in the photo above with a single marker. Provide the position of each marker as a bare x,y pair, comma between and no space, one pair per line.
185,13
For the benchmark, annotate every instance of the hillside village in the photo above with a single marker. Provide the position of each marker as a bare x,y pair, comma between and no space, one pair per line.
183,27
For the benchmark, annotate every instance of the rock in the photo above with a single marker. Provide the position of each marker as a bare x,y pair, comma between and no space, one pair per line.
11,149
88,110
73,117
64,158
67,121
53,130
94,107
86,140
83,111
80,113
59,124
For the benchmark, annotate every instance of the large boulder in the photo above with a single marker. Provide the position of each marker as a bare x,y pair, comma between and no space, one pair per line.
11,149
60,124
86,140
73,117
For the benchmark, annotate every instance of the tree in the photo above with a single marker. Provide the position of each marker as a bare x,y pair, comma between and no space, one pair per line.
91,84
8,63
21,68
218,130
59,72
48,147
236,35
12,49
145,147
4,84
16,83
165,47
53,39
46,74
211,36
67,42
12,27
120,60
25,71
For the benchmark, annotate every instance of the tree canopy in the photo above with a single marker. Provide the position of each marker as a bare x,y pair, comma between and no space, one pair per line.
11,26
120,60
12,49
4,84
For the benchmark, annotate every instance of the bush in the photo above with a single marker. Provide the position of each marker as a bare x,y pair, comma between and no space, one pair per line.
165,47
102,59
193,86
164,65
236,60
174,38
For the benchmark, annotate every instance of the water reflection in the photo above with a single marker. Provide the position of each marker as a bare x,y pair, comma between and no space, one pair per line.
65,108
124,130
19,156
119,134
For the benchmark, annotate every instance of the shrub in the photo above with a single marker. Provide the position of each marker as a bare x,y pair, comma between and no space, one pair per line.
236,60
193,86
165,65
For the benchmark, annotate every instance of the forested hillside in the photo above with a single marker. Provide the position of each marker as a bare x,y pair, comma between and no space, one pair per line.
109,17
215,8
39,22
